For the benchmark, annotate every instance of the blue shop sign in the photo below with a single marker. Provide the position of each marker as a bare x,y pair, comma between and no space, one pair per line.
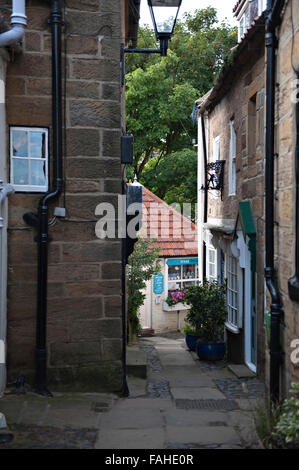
158,284
182,261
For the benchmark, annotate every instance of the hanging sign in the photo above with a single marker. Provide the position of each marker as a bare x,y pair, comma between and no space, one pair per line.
158,284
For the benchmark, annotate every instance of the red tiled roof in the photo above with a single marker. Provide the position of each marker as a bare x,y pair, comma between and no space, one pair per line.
175,234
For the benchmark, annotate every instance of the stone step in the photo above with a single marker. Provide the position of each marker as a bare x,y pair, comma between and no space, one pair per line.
136,362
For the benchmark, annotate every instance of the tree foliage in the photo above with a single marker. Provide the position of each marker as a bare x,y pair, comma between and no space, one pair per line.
141,267
161,93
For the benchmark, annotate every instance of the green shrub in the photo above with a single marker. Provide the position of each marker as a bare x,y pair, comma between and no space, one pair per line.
208,310
286,431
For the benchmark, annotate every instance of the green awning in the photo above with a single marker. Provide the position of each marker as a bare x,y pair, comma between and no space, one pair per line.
245,217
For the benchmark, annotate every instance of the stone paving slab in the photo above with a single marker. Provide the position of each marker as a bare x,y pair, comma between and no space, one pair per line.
139,418
131,439
203,435
63,410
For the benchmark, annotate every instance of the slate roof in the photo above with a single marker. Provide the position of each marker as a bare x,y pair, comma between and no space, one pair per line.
176,235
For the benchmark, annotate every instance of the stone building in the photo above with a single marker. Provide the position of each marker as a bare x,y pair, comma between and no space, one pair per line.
84,299
232,135
176,238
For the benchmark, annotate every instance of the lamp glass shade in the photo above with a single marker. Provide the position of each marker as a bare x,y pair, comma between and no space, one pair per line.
164,15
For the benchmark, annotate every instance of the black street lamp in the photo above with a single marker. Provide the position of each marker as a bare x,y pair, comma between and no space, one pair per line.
164,15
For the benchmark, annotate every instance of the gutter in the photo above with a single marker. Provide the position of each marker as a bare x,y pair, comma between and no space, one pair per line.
41,221
205,154
274,8
18,21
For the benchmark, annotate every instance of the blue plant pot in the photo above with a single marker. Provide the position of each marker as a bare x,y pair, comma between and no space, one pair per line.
191,341
210,351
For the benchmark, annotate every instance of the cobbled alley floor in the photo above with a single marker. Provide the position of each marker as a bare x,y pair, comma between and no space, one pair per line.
183,403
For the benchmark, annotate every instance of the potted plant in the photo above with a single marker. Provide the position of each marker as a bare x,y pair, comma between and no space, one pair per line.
191,336
207,315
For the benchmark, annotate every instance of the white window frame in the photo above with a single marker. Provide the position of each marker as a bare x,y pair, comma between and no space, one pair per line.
232,177
261,6
30,188
244,20
210,248
197,280
232,307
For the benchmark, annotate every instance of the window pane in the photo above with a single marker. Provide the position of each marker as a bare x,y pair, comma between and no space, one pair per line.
174,272
20,143
37,145
212,256
38,173
173,286
20,171
212,270
189,271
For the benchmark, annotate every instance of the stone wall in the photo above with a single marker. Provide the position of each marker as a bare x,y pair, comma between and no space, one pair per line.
285,183
84,298
245,104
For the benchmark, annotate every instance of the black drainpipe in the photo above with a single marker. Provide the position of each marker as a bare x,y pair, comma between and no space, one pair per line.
274,8
294,281
205,155
43,238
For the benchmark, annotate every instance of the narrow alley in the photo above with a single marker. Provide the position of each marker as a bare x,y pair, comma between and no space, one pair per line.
183,403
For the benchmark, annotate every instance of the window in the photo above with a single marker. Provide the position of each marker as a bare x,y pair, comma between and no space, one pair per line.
29,159
212,273
261,6
232,290
181,276
244,22
232,161
216,149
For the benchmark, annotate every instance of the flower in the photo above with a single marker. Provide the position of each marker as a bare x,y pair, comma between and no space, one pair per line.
176,297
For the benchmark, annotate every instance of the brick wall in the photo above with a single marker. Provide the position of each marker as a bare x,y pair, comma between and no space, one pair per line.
84,299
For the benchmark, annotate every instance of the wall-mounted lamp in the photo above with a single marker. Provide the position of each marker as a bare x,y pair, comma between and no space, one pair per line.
164,15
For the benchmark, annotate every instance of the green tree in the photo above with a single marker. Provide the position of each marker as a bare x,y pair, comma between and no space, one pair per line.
141,267
161,93
174,179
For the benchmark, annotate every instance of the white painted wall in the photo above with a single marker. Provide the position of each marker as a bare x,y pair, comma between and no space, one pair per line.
155,314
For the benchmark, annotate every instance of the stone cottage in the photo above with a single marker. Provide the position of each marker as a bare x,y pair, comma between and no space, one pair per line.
61,120
235,199
176,238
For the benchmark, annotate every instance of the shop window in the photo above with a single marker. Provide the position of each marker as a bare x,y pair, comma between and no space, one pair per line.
182,276
29,159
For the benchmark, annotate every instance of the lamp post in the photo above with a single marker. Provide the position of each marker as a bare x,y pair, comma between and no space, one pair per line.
164,15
